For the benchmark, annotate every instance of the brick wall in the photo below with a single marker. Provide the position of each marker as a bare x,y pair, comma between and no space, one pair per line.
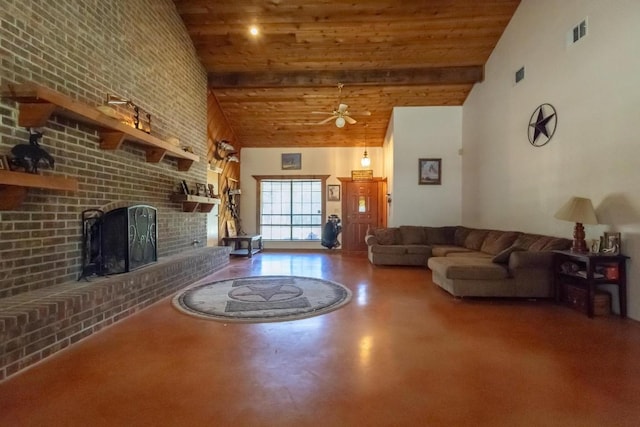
137,49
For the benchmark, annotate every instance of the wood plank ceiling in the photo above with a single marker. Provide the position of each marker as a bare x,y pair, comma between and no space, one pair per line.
386,53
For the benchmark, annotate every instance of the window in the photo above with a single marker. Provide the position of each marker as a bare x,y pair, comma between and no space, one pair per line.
291,209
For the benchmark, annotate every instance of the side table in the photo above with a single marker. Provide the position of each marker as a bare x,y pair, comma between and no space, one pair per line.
587,277
253,244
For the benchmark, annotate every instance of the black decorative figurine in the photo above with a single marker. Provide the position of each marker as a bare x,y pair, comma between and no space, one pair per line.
30,156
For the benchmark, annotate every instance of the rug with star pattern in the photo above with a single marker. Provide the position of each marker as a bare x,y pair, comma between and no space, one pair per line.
262,298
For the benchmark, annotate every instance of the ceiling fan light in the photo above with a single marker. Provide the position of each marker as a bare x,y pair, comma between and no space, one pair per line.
365,161
340,122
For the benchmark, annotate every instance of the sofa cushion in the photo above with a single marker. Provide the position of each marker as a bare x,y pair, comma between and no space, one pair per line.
413,235
440,235
503,257
469,254
525,240
444,250
497,241
460,235
389,249
540,243
418,249
468,268
388,236
475,239
557,244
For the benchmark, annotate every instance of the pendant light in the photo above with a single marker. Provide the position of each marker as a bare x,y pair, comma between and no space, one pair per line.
365,161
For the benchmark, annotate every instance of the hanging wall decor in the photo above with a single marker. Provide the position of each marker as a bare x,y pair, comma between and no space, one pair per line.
542,125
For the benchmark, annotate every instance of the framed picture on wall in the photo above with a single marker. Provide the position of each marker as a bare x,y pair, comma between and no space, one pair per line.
429,171
333,193
291,161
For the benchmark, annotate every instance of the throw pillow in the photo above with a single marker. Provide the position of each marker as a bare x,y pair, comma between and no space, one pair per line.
503,257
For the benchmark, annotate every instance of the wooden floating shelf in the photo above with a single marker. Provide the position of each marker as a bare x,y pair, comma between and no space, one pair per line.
191,203
14,186
39,103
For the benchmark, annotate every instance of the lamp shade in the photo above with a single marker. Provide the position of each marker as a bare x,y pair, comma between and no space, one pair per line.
577,209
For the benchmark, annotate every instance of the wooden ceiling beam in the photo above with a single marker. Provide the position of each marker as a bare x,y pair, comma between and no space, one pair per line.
390,77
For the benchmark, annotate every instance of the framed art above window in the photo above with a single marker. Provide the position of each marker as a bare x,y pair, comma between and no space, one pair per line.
291,161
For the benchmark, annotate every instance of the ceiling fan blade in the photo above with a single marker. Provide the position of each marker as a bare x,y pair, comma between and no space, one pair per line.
350,120
360,113
321,112
327,120
342,108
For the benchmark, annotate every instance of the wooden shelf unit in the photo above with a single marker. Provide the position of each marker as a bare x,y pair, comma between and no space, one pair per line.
38,103
191,203
14,186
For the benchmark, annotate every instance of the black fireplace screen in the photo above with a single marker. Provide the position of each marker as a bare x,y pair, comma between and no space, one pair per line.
120,240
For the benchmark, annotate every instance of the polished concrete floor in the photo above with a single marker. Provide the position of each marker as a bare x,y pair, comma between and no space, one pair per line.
401,353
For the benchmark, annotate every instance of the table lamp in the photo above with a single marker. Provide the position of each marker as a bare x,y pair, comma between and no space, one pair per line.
578,210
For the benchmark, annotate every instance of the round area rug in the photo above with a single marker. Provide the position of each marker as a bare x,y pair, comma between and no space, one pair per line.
262,298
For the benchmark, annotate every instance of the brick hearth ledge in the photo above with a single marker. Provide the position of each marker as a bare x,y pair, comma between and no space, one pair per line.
36,324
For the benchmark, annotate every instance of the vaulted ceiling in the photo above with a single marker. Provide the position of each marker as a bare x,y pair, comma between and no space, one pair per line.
386,53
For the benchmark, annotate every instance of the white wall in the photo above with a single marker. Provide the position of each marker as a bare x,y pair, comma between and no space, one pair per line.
595,88
425,132
337,162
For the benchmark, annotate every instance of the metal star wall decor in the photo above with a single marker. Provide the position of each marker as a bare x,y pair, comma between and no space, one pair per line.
542,125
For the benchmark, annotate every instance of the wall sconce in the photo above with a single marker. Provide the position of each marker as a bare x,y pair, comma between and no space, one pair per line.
118,100
225,151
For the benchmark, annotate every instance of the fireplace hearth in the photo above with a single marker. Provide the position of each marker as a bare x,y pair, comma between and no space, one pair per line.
119,241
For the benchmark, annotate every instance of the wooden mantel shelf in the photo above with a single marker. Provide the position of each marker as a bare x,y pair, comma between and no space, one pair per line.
14,186
38,103
191,203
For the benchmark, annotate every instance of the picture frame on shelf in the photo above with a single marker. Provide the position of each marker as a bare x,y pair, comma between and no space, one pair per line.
595,246
201,189
611,242
429,171
333,193
212,191
291,161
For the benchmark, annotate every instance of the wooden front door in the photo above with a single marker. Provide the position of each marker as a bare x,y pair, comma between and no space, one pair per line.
361,209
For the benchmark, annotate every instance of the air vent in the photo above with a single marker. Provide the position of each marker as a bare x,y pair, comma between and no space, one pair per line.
577,33
520,75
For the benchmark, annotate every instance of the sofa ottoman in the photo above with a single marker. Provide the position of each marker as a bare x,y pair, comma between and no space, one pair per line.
468,276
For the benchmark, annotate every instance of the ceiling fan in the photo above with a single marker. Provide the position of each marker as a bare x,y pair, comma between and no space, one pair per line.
341,115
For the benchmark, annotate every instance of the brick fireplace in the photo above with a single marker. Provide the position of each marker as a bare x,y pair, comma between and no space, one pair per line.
136,49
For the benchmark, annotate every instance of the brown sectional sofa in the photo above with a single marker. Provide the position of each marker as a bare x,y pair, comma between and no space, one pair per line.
472,262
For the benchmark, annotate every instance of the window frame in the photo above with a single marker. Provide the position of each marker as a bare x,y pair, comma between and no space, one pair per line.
260,178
